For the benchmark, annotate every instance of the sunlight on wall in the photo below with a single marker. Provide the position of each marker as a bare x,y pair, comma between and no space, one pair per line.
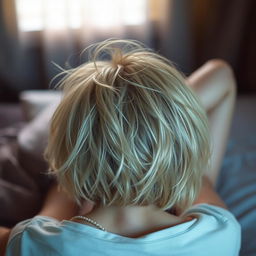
61,14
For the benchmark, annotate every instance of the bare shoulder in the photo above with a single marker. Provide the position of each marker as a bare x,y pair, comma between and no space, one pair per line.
208,195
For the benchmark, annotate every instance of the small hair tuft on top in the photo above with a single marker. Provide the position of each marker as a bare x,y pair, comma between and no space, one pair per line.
128,130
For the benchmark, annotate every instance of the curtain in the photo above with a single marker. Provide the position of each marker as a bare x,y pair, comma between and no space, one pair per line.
47,31
226,30
187,32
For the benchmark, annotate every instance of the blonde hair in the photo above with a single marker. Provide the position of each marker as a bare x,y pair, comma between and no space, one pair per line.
128,131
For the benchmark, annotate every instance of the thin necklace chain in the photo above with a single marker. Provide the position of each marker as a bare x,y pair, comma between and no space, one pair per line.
86,219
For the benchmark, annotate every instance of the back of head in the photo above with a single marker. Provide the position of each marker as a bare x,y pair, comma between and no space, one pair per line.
128,131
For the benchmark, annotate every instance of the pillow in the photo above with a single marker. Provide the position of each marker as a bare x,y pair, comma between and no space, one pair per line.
34,101
31,141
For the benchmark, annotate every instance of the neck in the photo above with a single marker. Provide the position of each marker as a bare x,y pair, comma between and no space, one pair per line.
122,215
132,221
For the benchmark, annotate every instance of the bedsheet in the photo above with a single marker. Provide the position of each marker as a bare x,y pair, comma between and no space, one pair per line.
237,186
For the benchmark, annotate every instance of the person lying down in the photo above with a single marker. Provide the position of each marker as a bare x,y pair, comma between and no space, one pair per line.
130,144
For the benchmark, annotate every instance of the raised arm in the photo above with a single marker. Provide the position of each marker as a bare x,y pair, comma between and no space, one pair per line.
215,85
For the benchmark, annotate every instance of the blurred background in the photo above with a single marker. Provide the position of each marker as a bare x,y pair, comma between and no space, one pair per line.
35,33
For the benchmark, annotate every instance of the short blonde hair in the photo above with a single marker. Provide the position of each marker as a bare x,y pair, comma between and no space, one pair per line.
128,130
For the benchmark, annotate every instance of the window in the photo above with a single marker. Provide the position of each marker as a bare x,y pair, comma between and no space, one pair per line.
60,14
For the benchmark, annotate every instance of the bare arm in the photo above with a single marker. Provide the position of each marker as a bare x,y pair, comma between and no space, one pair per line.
215,85
4,235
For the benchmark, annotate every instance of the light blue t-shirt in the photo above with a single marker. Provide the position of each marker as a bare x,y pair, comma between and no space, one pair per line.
213,232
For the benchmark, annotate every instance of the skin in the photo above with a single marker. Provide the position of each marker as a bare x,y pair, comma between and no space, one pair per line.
215,85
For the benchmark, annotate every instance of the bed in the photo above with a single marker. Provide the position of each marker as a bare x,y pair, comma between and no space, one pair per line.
24,179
